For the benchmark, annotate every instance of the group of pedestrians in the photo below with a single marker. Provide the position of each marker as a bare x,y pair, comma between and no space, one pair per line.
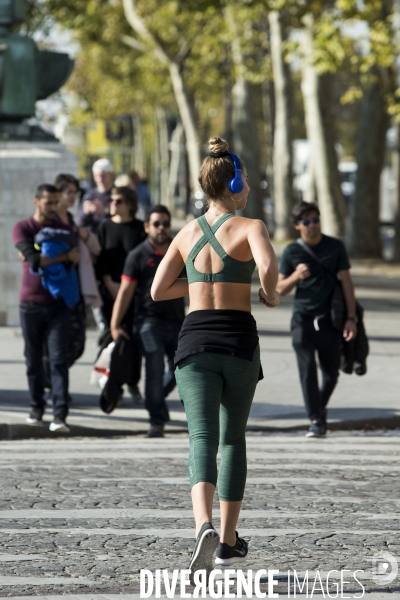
214,351
79,266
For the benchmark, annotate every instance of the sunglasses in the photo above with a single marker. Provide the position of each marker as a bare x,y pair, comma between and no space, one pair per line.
117,202
165,224
307,222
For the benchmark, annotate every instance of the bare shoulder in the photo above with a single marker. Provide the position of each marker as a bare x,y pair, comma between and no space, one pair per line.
187,231
186,237
254,226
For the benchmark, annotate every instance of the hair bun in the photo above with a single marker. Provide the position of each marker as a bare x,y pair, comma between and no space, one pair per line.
217,145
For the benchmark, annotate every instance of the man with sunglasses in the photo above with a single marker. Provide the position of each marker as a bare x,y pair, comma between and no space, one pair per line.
311,326
157,323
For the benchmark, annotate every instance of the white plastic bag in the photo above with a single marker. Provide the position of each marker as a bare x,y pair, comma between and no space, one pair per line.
101,368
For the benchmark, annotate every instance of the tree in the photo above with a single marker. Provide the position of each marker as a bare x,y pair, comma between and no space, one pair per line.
379,92
244,129
323,157
374,123
174,62
282,151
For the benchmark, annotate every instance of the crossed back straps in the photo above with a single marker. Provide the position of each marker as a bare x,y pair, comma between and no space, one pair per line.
233,271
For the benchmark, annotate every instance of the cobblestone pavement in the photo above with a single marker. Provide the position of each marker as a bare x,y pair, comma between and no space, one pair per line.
83,516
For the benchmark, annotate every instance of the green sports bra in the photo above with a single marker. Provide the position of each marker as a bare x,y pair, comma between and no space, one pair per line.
233,271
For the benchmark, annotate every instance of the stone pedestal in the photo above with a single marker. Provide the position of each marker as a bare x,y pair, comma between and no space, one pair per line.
23,166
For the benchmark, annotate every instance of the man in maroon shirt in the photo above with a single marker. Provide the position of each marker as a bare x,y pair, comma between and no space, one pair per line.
44,320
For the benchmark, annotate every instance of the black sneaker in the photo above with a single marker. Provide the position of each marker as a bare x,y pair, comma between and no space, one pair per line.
136,395
203,553
35,417
59,425
156,431
317,429
230,555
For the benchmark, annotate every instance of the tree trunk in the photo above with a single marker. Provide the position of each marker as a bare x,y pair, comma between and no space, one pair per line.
374,123
164,152
228,109
182,98
138,159
186,112
309,194
245,144
176,143
244,126
156,163
325,84
396,176
282,153
326,173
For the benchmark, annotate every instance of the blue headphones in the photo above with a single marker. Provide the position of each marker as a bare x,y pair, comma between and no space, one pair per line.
236,184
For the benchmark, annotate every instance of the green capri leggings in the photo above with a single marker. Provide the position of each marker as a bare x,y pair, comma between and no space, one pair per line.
217,391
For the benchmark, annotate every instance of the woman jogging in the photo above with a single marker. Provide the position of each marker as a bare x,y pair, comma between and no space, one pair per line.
218,356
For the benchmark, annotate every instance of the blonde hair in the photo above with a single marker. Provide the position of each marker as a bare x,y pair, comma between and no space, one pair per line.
217,171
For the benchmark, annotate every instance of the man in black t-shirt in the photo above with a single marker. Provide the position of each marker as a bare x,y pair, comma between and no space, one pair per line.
158,323
311,325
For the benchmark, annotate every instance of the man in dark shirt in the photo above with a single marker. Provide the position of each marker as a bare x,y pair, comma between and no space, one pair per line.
43,319
117,236
95,204
158,323
311,325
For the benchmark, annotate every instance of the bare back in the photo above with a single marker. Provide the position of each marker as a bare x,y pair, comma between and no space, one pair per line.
233,237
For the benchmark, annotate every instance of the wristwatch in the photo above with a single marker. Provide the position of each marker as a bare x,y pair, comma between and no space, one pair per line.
351,319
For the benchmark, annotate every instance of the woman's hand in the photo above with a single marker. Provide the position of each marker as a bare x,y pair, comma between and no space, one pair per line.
116,332
73,255
269,302
83,233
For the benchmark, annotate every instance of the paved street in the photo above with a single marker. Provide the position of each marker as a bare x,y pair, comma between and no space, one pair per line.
80,517
358,402
83,516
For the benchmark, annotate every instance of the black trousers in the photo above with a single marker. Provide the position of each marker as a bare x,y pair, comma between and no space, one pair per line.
46,325
310,337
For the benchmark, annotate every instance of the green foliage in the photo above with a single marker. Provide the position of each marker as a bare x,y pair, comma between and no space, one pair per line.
113,78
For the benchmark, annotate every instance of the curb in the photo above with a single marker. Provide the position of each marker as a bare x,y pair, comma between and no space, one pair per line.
20,431
357,425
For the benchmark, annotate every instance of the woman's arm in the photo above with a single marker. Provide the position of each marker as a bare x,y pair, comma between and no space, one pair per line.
112,286
264,255
166,285
91,240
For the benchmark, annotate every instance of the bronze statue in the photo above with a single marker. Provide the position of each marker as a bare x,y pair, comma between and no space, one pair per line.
27,74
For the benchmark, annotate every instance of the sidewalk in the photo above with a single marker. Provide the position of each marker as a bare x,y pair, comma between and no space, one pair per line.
358,402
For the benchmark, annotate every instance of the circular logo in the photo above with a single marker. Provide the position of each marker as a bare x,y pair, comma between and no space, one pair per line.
384,568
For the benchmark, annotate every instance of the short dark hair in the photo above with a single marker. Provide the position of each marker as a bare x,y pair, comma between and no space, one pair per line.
158,208
45,187
63,180
301,210
129,196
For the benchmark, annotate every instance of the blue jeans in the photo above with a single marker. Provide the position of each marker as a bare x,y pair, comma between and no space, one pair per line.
46,325
158,339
